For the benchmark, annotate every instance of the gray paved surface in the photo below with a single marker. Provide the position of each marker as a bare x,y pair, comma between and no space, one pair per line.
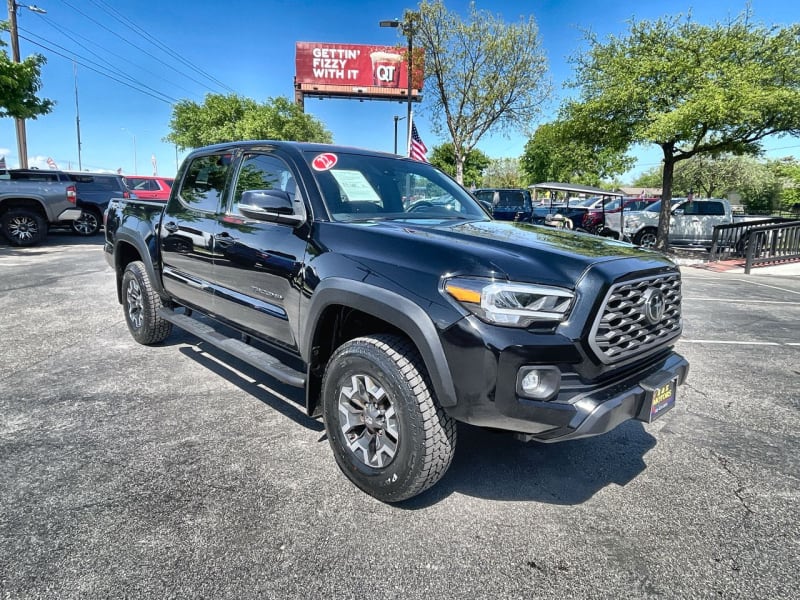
161,472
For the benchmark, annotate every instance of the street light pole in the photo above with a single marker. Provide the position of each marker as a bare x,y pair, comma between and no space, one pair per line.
407,27
408,30
135,166
396,119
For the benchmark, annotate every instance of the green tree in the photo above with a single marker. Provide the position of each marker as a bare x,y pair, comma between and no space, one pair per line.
689,88
649,179
718,176
482,74
19,83
787,174
553,153
503,172
226,118
475,161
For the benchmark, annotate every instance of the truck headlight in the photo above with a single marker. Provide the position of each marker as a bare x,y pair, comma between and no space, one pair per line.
508,303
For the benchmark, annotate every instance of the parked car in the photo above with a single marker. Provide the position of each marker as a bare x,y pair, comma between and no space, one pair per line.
595,221
508,204
691,222
95,191
31,201
150,187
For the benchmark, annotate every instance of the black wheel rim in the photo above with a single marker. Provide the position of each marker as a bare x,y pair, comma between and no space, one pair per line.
86,224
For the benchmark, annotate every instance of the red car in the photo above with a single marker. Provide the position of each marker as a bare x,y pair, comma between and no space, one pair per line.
150,187
593,220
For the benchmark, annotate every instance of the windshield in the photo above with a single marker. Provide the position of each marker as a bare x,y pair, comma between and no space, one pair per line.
359,187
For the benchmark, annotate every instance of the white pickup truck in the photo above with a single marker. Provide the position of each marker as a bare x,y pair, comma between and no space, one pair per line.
691,222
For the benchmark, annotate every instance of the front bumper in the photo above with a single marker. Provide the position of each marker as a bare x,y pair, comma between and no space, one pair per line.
588,403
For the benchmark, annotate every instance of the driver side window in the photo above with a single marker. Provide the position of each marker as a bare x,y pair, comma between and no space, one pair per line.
263,172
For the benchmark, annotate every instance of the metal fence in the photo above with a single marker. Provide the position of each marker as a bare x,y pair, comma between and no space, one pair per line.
759,242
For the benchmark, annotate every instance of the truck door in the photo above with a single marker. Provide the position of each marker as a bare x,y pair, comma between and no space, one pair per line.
693,222
187,230
257,264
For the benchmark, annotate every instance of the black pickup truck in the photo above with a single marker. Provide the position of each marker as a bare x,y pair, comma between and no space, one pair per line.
387,292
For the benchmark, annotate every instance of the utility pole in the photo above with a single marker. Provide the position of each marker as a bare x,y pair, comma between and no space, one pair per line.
19,124
77,114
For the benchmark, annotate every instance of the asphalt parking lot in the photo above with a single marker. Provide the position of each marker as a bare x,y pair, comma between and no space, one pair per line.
175,472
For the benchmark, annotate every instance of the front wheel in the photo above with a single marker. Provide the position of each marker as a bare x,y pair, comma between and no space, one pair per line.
141,304
646,238
87,224
24,227
387,432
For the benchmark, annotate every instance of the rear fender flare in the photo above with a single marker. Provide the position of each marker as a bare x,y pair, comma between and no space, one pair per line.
145,254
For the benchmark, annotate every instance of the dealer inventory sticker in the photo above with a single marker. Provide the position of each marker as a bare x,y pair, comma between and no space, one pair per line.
323,162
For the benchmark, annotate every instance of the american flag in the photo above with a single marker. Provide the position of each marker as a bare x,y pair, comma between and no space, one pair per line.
51,163
418,149
2,163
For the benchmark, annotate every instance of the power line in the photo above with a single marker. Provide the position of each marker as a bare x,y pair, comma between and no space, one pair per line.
124,39
101,68
165,99
74,38
114,13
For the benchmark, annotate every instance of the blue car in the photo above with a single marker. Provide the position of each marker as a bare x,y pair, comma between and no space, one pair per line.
508,204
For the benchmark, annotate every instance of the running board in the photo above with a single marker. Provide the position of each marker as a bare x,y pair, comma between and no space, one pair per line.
252,356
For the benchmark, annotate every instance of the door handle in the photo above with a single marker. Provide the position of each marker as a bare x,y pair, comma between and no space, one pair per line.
225,239
171,226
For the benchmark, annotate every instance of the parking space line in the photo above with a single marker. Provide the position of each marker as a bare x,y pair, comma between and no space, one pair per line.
738,343
769,286
740,301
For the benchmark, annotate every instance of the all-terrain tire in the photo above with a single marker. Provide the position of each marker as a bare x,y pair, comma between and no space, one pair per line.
388,433
141,304
24,227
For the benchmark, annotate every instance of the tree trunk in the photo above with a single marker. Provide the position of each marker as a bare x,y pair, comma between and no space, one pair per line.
459,168
662,243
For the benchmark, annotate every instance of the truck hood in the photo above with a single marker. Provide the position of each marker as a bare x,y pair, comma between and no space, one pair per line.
514,251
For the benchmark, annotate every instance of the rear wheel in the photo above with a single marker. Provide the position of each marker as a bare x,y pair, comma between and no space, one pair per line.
24,227
388,434
646,238
141,304
87,224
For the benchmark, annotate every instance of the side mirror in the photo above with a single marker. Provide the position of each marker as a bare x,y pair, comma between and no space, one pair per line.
269,205
677,211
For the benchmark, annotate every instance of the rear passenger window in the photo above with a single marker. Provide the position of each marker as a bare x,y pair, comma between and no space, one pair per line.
713,208
204,183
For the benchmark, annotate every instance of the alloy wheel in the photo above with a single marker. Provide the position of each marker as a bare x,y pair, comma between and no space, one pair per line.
23,228
133,296
86,224
368,421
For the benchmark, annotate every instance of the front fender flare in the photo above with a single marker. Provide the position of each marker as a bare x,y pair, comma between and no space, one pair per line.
393,308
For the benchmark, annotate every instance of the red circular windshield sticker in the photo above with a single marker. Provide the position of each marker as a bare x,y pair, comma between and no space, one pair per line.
323,162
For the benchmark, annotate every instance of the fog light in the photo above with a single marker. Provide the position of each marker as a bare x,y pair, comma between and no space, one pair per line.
531,381
539,383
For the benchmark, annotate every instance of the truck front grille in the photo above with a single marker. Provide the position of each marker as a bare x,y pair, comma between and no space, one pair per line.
637,316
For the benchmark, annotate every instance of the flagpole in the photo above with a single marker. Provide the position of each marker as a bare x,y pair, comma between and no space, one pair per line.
408,141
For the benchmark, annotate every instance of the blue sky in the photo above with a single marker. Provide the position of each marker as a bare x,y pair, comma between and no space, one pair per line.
249,47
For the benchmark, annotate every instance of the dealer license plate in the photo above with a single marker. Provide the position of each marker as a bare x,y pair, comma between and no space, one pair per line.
658,400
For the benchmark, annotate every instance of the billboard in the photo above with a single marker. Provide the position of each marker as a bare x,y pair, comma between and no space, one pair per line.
355,70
